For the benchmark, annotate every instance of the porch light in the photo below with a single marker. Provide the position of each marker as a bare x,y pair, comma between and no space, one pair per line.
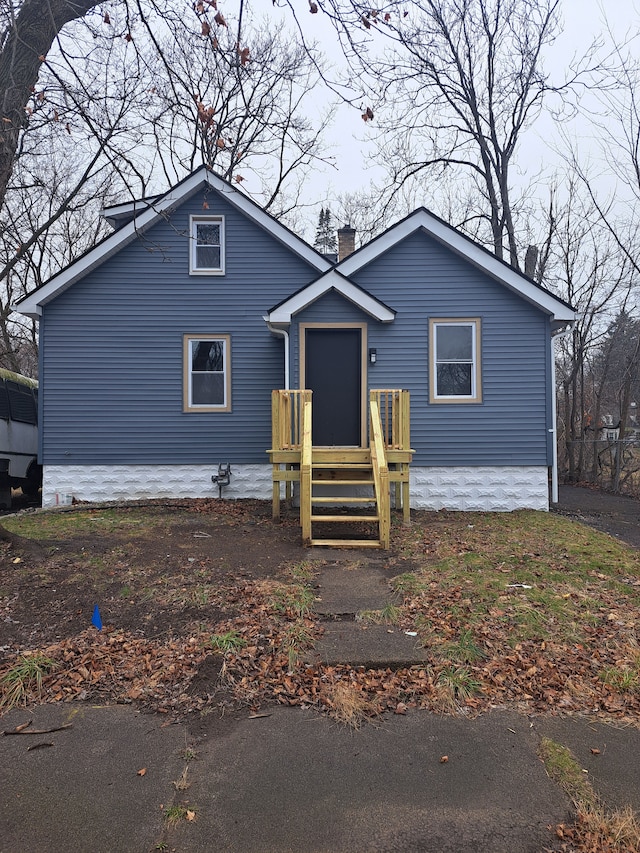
373,355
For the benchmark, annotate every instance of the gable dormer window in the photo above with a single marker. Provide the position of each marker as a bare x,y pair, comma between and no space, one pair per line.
207,245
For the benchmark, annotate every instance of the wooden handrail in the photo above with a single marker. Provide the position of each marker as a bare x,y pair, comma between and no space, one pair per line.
380,472
305,472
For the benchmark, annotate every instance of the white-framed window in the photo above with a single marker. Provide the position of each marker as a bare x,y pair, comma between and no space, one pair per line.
207,245
207,373
454,360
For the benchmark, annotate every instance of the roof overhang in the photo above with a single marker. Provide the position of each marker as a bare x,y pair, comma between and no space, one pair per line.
152,211
281,314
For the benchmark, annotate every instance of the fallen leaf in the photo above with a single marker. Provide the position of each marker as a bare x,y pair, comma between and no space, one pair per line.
595,751
191,815
444,759
142,771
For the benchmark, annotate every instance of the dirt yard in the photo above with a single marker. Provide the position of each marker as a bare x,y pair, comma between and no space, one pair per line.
513,609
156,571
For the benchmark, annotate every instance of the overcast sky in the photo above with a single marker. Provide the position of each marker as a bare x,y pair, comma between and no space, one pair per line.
584,20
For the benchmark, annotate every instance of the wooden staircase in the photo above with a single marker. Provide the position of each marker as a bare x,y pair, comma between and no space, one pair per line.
342,488
338,469
336,473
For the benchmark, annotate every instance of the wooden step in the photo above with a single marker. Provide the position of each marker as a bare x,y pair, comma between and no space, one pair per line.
344,519
342,482
342,466
346,543
339,499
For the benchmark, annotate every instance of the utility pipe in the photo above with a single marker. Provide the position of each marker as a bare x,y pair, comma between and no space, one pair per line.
275,331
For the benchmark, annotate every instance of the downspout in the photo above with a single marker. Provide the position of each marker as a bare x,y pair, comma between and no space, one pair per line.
554,417
275,331
554,427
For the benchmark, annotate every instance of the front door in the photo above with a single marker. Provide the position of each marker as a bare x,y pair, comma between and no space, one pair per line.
333,371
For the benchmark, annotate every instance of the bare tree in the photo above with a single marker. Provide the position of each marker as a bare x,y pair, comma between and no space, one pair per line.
458,85
131,99
585,268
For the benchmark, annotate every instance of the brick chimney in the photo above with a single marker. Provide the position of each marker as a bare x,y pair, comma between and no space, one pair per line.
346,241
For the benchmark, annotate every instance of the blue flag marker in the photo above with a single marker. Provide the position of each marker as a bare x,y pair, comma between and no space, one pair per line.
97,619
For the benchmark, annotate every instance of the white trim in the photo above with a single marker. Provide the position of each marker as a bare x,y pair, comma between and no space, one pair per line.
194,221
32,305
466,248
188,374
331,281
476,377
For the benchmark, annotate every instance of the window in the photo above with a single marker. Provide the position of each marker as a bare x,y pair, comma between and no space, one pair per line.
207,373
454,374
207,245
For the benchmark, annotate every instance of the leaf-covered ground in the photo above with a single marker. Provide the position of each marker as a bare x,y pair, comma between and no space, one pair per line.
208,606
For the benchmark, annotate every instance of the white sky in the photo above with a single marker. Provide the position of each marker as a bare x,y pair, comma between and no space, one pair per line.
584,20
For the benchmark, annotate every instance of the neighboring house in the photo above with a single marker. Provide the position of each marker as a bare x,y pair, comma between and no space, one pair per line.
160,347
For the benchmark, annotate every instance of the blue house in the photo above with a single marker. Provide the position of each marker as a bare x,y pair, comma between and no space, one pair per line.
160,349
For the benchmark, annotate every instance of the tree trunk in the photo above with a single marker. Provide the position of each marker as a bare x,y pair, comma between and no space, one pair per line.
22,53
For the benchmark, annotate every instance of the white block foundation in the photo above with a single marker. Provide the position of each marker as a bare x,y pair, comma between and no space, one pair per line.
488,489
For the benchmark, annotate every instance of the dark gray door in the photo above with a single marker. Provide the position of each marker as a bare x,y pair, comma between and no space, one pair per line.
333,372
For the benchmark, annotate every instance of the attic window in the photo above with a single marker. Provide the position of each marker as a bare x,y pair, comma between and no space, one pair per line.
207,245
454,363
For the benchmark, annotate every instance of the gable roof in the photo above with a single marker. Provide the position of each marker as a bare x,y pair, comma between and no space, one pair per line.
332,280
561,312
143,215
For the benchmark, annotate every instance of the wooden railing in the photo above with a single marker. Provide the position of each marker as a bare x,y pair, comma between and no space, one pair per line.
291,453
393,405
380,473
306,460
286,418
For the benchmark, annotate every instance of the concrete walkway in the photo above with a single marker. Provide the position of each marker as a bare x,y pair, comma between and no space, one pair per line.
293,781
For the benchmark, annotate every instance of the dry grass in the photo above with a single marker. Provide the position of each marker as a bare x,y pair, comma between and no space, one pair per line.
597,829
347,703
603,831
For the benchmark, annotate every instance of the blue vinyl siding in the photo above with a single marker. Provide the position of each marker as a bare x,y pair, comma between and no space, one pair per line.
420,279
113,343
112,351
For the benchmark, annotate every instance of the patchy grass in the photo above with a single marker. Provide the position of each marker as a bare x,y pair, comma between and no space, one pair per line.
24,678
230,641
527,608
457,683
597,828
295,599
388,615
175,814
